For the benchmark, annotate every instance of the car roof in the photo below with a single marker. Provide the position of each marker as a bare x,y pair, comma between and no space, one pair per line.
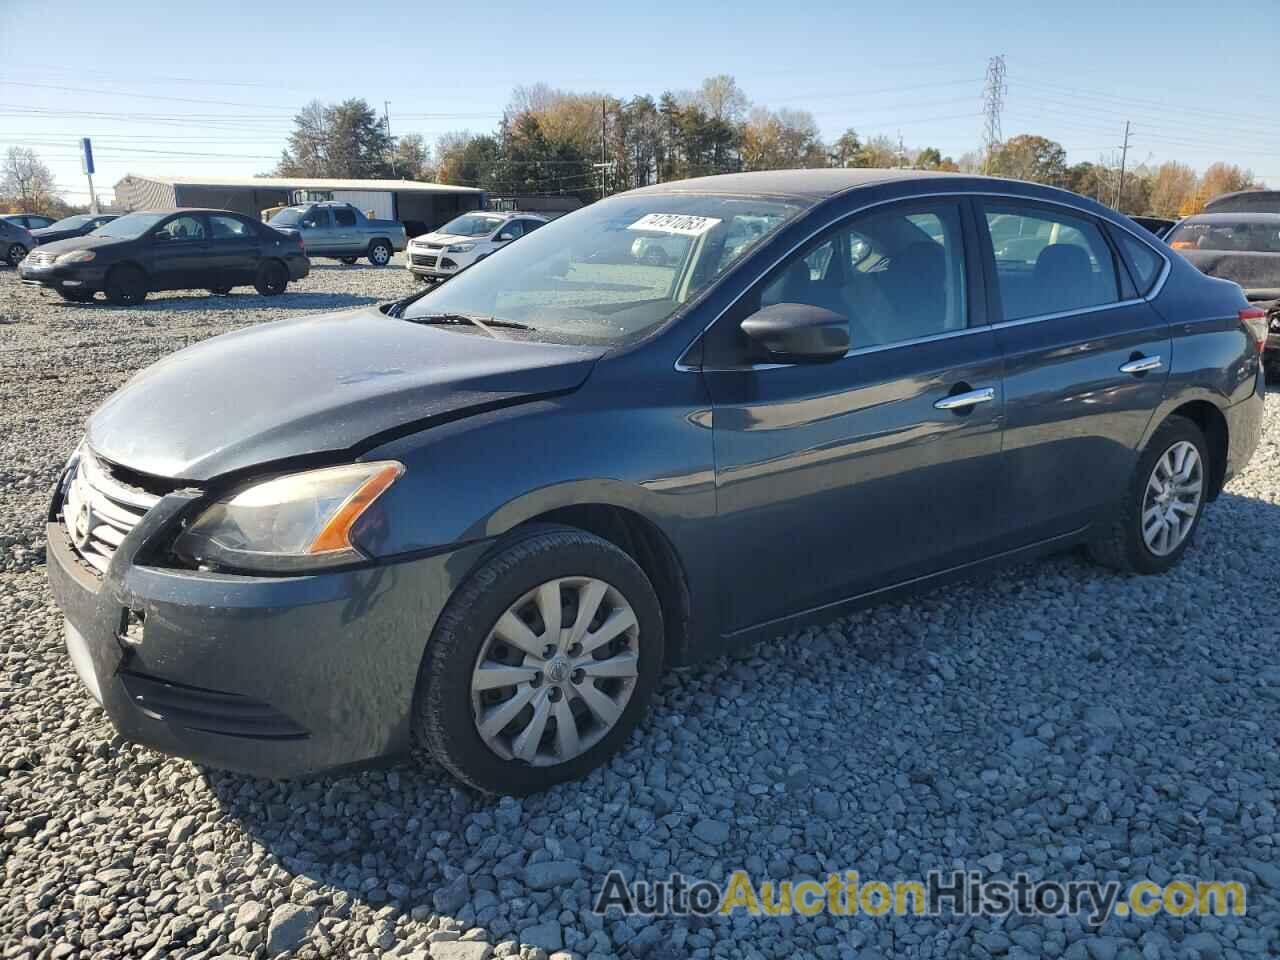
817,184
1271,219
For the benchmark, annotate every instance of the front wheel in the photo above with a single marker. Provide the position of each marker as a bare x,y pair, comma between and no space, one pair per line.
1163,505
272,279
126,286
380,254
541,664
15,254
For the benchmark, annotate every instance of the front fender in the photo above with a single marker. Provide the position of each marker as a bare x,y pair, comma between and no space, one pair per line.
643,448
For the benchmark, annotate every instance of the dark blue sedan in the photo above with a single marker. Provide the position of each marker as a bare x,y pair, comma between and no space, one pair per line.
478,523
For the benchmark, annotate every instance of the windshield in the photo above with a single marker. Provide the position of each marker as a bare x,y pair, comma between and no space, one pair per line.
1240,236
471,225
70,223
611,271
288,217
129,226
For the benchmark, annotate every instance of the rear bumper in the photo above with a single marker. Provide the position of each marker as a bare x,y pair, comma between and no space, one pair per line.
1244,426
271,676
299,266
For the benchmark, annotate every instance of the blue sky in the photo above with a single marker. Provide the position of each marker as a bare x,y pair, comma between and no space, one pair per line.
1193,78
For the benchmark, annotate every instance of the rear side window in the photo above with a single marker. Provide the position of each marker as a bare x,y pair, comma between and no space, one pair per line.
228,228
1048,262
344,217
1144,263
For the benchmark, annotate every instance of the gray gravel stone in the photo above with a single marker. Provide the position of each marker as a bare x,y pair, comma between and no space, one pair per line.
290,925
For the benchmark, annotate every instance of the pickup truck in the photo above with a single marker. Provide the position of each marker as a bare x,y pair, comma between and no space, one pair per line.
341,231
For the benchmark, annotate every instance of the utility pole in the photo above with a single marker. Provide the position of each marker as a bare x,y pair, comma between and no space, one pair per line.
1124,155
386,116
993,90
902,151
604,148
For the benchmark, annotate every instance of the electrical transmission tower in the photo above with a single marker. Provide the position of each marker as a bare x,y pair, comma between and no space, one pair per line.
993,91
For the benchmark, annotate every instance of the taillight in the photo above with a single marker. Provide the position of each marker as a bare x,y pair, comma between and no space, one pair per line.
1255,321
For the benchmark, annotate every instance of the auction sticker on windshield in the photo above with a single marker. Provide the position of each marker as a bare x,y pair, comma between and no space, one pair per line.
679,224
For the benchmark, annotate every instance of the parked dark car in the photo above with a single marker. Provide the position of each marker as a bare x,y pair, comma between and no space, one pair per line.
1245,248
1159,226
15,242
173,250
31,221
479,522
74,226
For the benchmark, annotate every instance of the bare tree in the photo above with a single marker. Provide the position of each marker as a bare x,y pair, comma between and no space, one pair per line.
26,181
723,99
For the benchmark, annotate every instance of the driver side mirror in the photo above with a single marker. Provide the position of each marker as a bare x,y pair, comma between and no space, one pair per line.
308,224
799,333
504,237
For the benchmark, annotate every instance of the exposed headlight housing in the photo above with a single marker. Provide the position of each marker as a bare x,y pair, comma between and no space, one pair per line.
288,524
460,247
77,256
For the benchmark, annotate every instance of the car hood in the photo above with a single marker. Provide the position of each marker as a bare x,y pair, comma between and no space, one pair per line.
1257,273
87,242
445,238
316,385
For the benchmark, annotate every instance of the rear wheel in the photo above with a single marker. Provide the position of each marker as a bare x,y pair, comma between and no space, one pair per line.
348,260
541,664
1163,505
380,253
15,253
126,286
272,279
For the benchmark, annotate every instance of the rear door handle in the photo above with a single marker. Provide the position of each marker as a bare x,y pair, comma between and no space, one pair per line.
959,400
1142,365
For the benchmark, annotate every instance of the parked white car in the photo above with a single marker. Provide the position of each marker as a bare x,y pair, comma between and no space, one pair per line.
466,240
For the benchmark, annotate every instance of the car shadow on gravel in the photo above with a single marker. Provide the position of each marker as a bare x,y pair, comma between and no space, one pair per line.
980,724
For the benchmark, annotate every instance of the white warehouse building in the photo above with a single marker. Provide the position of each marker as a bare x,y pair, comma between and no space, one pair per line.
419,206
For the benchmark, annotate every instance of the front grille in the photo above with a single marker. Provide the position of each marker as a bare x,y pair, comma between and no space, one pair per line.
41,258
99,510
420,261
211,711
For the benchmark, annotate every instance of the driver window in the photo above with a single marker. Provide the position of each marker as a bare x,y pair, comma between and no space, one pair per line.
897,274
512,228
182,228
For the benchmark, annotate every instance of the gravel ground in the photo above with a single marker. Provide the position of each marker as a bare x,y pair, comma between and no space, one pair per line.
1057,719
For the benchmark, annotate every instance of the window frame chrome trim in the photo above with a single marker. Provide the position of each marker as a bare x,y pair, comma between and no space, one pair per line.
1000,325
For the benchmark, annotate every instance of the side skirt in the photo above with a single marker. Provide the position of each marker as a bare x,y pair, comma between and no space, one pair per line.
831,611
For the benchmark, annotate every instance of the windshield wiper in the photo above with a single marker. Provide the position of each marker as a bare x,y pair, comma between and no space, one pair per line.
470,319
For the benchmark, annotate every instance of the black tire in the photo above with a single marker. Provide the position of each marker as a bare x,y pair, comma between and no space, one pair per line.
443,719
272,279
219,291
1121,545
76,296
15,254
380,253
348,260
126,286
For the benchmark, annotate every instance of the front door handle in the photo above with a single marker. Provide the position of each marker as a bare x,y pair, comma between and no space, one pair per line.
958,401
1142,365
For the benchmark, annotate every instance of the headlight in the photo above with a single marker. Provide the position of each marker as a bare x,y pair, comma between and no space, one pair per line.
77,256
297,522
460,247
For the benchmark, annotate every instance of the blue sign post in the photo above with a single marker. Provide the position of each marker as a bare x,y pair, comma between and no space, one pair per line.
86,164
